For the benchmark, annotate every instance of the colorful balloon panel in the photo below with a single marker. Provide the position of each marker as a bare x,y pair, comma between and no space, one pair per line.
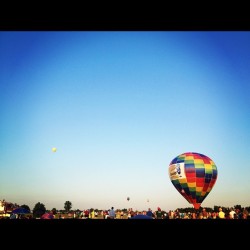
193,175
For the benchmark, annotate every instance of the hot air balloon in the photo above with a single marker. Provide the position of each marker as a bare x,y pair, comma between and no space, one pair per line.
54,150
128,198
193,175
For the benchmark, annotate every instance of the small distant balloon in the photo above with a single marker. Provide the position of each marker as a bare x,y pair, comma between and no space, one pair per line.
54,150
128,198
147,200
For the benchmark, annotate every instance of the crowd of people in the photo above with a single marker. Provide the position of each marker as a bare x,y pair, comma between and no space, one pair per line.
112,213
171,214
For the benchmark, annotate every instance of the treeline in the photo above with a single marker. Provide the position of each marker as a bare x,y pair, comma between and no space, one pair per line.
39,209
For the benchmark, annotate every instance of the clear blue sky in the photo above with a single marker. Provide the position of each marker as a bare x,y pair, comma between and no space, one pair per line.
119,106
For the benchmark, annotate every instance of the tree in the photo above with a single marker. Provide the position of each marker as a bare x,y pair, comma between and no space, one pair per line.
237,207
54,211
26,207
67,206
38,210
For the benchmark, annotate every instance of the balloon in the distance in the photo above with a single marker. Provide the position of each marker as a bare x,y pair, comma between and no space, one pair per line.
54,150
128,198
193,175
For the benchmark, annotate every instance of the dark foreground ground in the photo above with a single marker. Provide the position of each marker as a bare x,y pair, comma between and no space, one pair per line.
127,229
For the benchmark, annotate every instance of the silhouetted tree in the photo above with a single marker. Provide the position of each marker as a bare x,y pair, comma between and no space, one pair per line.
53,211
237,207
67,206
26,207
38,210
216,208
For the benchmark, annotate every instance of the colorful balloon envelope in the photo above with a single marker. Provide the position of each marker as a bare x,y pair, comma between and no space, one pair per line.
194,176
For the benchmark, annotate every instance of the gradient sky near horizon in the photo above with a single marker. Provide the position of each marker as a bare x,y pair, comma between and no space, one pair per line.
119,106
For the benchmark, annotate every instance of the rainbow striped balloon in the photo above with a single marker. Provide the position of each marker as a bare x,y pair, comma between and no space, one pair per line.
194,176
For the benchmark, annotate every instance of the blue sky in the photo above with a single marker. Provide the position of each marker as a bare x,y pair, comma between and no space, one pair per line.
119,106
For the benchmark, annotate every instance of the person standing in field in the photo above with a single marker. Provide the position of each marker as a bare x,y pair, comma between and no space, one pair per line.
221,214
150,213
112,213
158,213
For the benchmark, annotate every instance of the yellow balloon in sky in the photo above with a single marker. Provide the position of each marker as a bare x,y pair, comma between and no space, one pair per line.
54,149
